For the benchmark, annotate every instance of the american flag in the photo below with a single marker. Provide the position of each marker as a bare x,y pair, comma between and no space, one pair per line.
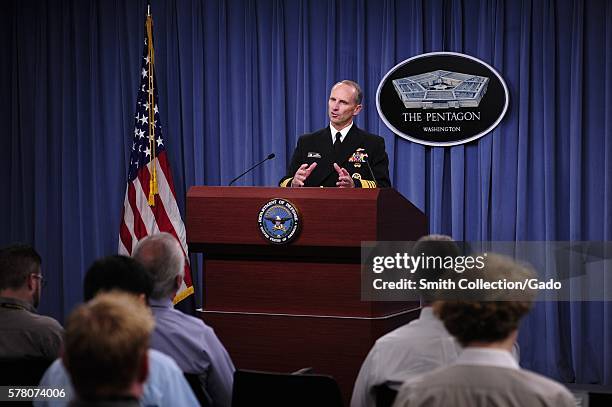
150,201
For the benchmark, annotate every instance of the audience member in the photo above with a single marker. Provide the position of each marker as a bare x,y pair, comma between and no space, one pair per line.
166,384
192,344
23,332
486,374
415,348
117,272
106,350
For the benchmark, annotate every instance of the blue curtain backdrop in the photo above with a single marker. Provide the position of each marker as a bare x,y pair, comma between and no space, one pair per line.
242,78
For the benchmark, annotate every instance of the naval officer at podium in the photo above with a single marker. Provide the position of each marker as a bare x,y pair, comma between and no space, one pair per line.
340,155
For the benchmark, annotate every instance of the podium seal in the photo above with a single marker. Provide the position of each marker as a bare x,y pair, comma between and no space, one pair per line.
278,221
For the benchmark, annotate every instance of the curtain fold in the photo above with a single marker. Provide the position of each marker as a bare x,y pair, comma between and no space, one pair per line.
239,79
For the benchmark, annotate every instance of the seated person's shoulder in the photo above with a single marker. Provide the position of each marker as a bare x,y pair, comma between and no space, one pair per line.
196,322
57,376
197,325
414,333
46,333
48,322
55,373
161,361
419,384
543,387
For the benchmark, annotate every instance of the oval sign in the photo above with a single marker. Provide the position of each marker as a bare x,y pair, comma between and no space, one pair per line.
278,221
442,99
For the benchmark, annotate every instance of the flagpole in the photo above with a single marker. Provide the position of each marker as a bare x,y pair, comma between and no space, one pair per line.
153,190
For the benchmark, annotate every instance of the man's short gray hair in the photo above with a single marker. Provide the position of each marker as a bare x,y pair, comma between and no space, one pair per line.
355,85
162,256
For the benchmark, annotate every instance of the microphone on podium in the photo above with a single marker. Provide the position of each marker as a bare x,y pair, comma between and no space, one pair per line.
269,157
367,161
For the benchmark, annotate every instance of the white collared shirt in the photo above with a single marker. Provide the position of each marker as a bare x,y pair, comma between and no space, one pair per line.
483,377
486,357
411,350
343,132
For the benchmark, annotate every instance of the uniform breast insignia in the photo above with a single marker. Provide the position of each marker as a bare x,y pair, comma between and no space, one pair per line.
358,157
278,221
357,176
312,154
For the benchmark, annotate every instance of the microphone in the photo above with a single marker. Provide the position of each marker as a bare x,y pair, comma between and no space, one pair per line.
371,172
269,157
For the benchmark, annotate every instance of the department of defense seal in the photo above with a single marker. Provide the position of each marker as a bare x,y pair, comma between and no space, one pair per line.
278,221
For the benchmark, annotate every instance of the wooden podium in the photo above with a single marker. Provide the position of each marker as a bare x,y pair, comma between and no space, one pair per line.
286,307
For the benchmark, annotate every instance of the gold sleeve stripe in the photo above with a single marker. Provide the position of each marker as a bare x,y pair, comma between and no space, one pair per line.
367,184
286,183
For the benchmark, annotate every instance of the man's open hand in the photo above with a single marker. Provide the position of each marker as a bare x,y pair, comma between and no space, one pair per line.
301,174
344,178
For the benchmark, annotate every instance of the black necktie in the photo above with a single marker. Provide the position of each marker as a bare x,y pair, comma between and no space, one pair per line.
337,142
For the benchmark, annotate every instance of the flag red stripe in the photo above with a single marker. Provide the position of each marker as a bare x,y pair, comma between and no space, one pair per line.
161,217
165,225
124,233
159,212
140,230
144,177
163,163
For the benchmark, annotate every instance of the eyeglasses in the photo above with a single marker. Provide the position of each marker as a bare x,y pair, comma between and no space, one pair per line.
43,282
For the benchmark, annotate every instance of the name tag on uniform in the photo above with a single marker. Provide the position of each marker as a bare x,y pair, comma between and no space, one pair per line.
313,155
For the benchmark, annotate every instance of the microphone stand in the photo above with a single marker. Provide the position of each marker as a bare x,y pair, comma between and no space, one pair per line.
269,157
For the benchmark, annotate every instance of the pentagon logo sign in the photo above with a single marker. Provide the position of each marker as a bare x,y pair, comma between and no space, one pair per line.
442,99
278,221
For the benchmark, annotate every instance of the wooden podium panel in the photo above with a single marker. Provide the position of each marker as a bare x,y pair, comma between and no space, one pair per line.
286,307
282,343
327,289
331,217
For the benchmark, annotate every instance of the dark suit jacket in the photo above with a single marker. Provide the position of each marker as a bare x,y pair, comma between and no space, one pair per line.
357,147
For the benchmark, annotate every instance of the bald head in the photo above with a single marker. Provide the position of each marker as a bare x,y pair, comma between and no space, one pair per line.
357,92
162,256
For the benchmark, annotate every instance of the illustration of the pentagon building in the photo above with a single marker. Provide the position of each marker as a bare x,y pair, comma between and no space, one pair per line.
441,90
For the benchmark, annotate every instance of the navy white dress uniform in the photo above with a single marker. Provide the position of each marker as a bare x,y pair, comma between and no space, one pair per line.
356,147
